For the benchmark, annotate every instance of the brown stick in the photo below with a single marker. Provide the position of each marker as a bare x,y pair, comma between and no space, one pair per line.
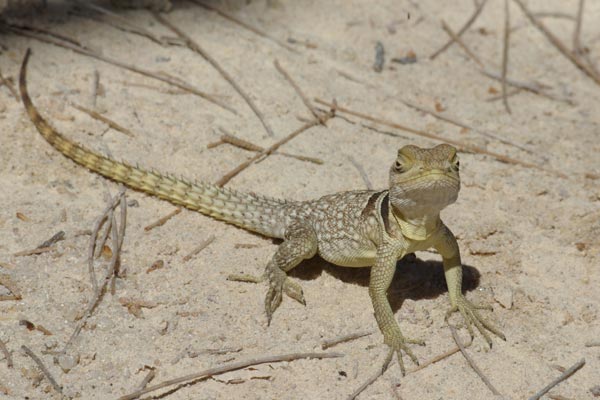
576,367
29,32
161,221
38,250
246,145
194,46
4,349
325,344
505,55
44,370
299,91
457,39
472,363
9,86
199,248
560,46
104,119
245,25
461,124
460,145
266,152
462,30
227,368
577,30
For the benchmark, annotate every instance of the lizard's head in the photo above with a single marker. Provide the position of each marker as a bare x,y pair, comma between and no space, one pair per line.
424,180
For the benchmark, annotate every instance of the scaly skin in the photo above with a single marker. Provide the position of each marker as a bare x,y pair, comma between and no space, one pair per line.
353,229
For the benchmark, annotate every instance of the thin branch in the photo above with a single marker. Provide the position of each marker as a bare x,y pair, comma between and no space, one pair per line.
461,124
362,172
104,119
460,145
195,47
462,30
245,25
38,250
472,363
4,349
199,248
266,152
577,49
246,145
30,33
505,55
44,370
560,46
9,86
161,221
576,367
118,19
227,368
299,91
366,384
325,344
459,41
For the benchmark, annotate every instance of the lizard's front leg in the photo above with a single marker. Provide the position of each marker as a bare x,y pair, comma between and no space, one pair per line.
448,249
300,243
381,277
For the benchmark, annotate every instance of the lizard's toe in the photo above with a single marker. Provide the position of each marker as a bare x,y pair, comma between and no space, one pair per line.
294,291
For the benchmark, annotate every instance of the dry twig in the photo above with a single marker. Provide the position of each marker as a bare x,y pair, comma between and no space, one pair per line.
505,54
460,145
199,248
472,363
44,370
227,177
560,46
161,221
462,30
104,119
577,31
245,25
38,250
459,41
299,91
7,282
576,367
78,48
362,172
192,45
227,368
325,344
4,350
9,86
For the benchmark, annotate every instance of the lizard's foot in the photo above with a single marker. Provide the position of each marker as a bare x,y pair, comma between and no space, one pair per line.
398,343
470,313
280,283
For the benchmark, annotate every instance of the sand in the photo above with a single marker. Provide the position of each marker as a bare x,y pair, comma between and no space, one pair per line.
529,238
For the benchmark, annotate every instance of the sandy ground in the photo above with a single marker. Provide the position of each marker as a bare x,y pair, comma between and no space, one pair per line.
529,239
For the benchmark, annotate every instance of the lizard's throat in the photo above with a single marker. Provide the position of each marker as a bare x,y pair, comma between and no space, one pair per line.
416,226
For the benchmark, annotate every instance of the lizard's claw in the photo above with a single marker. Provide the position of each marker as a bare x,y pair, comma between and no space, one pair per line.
280,283
470,313
398,343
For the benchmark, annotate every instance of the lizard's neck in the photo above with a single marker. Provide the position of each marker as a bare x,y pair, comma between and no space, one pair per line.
417,225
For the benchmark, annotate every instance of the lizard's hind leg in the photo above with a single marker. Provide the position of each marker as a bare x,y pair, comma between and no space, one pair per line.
300,243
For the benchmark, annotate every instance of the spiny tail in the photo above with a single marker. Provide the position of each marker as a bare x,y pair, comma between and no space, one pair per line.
256,213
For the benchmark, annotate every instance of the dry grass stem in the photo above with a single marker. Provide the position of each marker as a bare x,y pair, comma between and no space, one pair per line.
576,367
362,172
4,81
462,30
199,248
227,368
195,47
560,46
7,356
57,237
39,250
7,282
505,49
325,344
266,152
74,46
104,119
299,91
459,41
245,25
577,31
460,145
472,363
44,370
161,221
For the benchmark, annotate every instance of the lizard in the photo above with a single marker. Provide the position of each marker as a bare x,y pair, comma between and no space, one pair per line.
364,228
